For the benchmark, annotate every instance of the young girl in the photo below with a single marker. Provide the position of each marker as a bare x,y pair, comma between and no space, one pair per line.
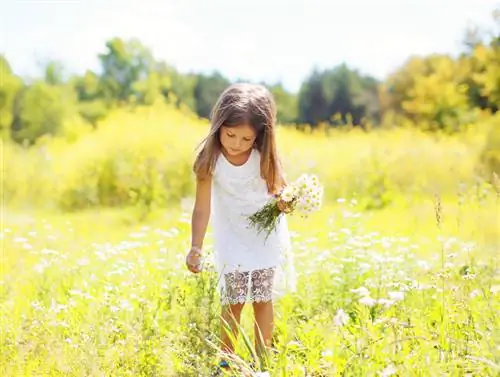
238,170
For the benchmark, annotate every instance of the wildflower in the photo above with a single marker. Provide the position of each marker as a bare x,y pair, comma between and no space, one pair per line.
368,301
304,195
327,353
469,276
288,193
362,291
397,296
385,302
474,293
341,318
388,371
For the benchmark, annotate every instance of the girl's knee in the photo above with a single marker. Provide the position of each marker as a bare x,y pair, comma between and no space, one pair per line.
234,309
263,306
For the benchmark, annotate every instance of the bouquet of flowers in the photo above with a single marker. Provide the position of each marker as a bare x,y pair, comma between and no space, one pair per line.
305,196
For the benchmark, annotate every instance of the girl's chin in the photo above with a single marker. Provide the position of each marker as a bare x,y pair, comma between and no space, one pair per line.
234,152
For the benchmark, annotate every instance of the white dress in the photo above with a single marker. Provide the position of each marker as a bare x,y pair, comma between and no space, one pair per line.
250,268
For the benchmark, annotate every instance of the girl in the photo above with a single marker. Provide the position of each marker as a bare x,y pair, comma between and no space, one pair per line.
238,170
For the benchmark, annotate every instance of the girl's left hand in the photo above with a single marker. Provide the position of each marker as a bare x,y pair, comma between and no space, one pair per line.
283,206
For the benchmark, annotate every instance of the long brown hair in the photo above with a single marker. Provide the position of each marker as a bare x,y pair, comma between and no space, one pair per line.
244,103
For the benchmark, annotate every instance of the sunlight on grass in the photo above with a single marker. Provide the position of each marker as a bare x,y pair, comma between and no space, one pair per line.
398,273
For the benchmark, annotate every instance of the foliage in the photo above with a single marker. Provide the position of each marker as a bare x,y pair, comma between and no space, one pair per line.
123,64
122,164
428,90
41,109
286,102
207,89
434,92
490,155
340,91
10,86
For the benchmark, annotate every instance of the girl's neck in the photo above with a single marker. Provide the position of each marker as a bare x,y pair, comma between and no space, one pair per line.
238,160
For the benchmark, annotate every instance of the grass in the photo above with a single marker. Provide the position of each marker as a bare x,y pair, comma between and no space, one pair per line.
397,274
97,293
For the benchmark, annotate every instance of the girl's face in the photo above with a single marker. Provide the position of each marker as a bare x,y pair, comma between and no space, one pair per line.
237,140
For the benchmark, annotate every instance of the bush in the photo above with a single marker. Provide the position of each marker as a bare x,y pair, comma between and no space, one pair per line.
490,156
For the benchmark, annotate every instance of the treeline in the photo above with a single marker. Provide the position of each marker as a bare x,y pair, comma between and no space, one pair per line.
431,92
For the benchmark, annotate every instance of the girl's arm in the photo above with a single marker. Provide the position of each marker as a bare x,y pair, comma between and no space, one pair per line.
201,212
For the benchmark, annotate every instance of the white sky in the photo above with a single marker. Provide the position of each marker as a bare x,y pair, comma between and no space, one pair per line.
251,39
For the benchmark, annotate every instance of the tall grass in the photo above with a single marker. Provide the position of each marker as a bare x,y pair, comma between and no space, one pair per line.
397,274
145,155
88,295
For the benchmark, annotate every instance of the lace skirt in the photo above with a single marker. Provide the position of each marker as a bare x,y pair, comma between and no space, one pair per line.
239,285
250,267
249,286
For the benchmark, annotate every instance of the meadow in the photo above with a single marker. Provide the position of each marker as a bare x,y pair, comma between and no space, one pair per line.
397,274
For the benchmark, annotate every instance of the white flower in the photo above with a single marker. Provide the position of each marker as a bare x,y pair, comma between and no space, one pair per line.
368,301
469,276
397,296
388,371
308,191
385,302
262,374
288,193
362,291
474,293
341,318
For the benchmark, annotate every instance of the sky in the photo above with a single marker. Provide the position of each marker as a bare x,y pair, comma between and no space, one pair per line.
258,40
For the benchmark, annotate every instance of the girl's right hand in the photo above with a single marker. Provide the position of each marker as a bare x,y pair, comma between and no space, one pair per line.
193,260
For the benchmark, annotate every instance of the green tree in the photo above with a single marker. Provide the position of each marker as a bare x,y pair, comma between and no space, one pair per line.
90,95
338,94
207,90
487,75
286,102
40,109
123,64
430,91
54,73
182,89
9,87
313,102
482,61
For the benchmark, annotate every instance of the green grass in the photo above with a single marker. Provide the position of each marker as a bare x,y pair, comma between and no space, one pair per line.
98,293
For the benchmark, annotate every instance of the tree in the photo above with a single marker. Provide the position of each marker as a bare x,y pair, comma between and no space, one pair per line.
182,88
9,87
286,102
54,73
206,91
123,64
312,100
40,109
339,93
428,90
482,66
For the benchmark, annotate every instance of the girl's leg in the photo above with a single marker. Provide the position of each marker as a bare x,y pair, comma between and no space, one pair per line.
264,316
231,315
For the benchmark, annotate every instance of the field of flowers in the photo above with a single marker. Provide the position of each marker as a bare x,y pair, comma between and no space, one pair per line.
398,273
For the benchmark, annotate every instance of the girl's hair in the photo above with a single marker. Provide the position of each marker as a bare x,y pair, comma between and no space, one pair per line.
243,103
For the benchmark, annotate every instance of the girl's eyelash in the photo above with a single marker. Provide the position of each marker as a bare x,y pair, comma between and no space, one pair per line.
232,135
